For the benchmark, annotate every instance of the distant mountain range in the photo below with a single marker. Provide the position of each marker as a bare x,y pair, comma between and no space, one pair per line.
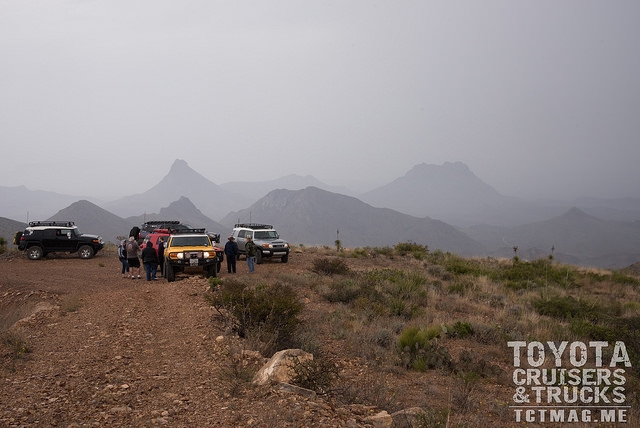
445,207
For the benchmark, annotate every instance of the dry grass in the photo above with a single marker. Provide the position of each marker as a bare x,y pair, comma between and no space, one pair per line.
361,313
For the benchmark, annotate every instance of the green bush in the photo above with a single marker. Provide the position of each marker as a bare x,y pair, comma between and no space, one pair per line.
419,252
420,352
568,308
268,312
620,278
461,329
330,266
526,275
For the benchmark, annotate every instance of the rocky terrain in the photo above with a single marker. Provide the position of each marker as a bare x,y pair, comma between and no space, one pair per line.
83,346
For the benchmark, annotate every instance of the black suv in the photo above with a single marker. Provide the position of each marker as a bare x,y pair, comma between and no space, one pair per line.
43,237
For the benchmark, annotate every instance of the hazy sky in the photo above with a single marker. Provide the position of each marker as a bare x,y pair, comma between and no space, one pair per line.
538,98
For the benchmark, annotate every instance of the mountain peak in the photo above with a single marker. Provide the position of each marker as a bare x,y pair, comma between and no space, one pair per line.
576,213
179,166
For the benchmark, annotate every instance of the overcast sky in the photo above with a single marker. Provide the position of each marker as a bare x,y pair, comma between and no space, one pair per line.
538,98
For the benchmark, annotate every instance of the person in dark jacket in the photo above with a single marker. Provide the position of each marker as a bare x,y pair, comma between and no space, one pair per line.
122,255
150,261
161,246
251,248
231,252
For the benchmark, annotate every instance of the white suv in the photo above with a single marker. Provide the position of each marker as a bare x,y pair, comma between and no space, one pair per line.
266,239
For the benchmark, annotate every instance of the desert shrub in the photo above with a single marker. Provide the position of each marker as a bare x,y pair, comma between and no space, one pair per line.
345,291
371,388
266,311
382,251
215,282
330,266
359,252
460,329
582,328
3,245
525,275
489,334
318,374
568,308
620,278
234,370
471,365
460,286
419,252
16,346
434,417
419,351
611,330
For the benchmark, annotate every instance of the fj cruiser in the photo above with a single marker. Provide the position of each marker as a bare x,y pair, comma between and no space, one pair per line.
191,251
266,239
151,225
43,237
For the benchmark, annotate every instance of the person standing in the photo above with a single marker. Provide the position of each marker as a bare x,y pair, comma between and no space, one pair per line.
122,256
150,261
251,249
132,256
161,255
231,252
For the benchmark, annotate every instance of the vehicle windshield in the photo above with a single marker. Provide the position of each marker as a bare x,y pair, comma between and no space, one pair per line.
266,234
190,241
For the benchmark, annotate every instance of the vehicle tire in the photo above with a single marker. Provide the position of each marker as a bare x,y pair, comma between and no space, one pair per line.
258,257
169,273
35,252
212,271
285,258
85,252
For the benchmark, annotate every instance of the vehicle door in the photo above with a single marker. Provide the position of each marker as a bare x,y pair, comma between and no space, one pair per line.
66,240
49,238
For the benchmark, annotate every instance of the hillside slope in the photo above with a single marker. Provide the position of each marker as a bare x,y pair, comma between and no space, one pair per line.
317,217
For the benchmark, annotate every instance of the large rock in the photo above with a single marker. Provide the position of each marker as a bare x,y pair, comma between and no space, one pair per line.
279,367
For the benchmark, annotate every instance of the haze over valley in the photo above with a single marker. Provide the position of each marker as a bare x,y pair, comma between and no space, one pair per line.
445,207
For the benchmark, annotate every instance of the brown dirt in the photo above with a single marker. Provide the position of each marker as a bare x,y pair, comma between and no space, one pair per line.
108,351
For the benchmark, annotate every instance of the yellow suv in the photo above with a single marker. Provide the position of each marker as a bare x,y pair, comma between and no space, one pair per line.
192,251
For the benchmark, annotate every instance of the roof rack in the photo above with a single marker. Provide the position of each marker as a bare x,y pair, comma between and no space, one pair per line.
52,223
162,222
186,231
254,226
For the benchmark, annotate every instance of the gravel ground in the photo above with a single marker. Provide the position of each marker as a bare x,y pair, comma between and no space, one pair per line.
83,346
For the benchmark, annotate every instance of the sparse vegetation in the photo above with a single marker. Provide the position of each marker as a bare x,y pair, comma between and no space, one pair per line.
330,266
267,314
16,345
402,316
393,328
